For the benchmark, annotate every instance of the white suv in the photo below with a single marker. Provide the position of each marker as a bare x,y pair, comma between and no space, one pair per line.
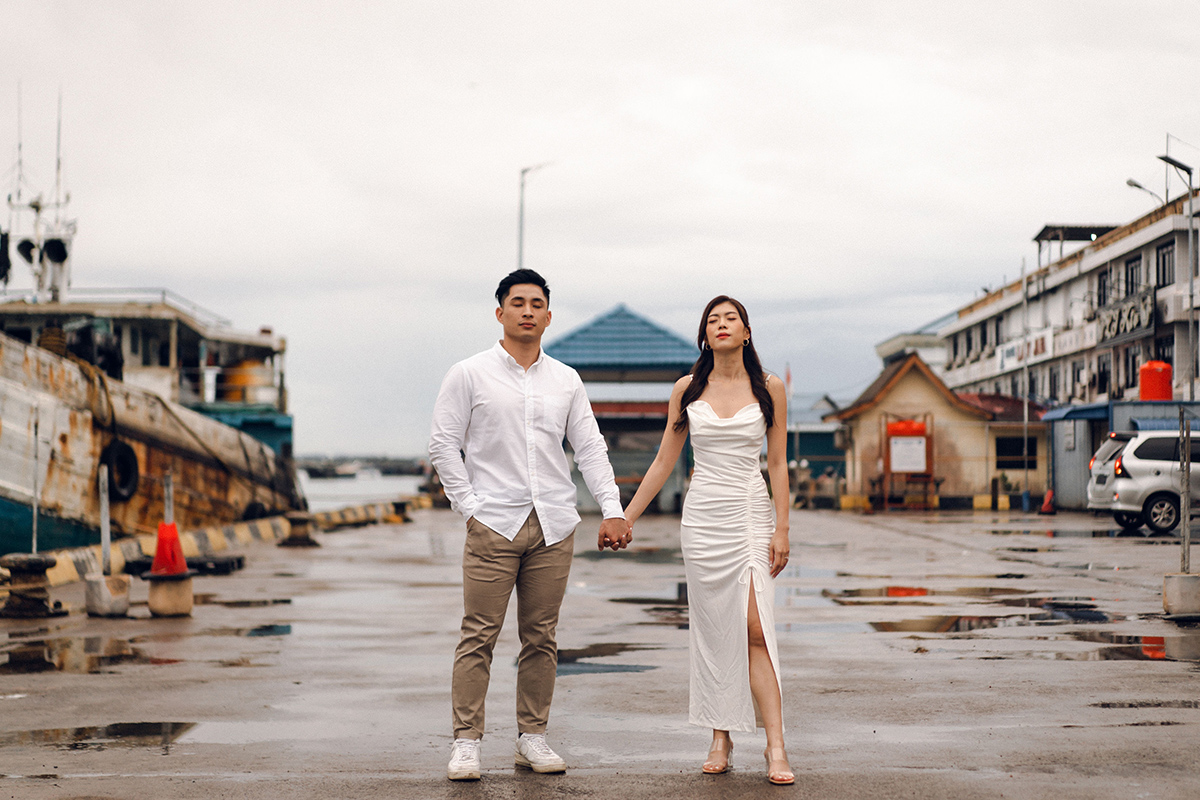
1136,476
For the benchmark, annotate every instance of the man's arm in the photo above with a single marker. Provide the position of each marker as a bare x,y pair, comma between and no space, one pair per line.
451,416
591,456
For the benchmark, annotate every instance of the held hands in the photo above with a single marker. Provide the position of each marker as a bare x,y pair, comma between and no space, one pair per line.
780,551
615,533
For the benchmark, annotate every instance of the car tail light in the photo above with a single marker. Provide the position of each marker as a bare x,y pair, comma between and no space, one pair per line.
1091,463
1119,469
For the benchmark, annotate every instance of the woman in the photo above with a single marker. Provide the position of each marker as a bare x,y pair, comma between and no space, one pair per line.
734,543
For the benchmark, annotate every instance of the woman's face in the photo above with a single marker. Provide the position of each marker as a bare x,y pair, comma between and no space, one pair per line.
724,329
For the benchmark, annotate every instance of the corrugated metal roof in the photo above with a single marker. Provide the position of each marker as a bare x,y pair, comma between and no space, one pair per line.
622,340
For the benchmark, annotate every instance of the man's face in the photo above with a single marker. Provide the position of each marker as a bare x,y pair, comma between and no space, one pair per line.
525,313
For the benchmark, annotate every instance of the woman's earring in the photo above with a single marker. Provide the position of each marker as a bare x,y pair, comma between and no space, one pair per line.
746,342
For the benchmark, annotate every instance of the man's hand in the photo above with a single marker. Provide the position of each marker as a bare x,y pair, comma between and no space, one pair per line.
614,533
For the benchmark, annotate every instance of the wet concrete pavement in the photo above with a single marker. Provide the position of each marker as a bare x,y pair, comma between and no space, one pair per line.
930,655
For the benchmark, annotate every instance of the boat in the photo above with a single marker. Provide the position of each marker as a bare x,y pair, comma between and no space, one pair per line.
141,381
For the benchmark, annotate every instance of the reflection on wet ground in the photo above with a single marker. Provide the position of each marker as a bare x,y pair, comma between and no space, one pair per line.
95,654
82,655
118,734
208,599
902,595
1143,536
570,661
1181,647
960,624
641,555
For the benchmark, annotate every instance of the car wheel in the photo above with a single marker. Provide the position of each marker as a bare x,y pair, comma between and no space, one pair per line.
1161,513
1127,520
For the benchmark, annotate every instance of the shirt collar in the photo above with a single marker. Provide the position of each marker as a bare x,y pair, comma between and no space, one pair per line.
508,360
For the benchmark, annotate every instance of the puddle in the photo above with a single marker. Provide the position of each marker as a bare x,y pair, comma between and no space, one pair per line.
1184,647
211,600
899,595
641,555
570,662
962,624
1103,533
102,737
1149,704
260,630
678,597
1075,609
80,655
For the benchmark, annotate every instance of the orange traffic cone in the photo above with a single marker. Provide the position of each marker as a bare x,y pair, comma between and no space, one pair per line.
169,576
168,552
1048,504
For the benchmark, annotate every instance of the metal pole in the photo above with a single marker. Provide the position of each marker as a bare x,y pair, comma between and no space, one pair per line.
1191,296
36,414
168,499
1185,491
521,214
1025,401
105,526
521,221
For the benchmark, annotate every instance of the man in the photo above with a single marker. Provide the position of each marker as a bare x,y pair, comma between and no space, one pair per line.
508,409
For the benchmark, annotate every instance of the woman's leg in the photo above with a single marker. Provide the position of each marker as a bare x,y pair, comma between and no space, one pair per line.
765,687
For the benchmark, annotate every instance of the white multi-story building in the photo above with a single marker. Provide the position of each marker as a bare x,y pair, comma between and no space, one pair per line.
1087,321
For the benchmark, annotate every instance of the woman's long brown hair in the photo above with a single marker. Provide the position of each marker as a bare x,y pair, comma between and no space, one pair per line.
704,366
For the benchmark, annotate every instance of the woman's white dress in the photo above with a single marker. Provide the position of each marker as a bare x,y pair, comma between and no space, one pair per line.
728,521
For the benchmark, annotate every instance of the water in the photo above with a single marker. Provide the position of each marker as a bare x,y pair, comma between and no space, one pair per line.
330,494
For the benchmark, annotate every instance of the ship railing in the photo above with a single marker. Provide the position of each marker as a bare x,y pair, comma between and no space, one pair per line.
117,295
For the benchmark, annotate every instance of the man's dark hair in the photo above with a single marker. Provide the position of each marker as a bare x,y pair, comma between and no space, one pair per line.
521,276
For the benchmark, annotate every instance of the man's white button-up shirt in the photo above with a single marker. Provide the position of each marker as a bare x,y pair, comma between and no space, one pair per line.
510,423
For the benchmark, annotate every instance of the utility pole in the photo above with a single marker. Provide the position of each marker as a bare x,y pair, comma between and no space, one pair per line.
521,214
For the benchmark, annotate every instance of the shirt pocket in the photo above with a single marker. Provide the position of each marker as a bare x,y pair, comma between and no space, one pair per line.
555,409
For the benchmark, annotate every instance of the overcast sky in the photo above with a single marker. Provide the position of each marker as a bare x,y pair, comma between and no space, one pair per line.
348,172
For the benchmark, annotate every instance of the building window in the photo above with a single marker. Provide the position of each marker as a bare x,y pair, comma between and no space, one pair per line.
983,336
1103,372
970,344
1133,275
1164,259
1102,288
135,339
1053,390
1014,387
1009,454
1164,349
996,388
1133,360
999,319
954,346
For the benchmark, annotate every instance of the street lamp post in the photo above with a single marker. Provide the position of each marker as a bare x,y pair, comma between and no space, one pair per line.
521,215
1191,370
1134,184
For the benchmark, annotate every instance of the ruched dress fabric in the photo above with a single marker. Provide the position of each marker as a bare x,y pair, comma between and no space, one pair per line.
726,530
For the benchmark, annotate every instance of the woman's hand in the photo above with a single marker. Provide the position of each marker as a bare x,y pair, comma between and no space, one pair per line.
781,550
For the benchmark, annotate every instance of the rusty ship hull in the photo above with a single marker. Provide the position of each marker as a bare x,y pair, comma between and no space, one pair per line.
61,418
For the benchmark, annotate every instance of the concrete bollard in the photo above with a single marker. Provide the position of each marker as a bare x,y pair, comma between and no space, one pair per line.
170,595
299,527
107,595
1181,594
29,588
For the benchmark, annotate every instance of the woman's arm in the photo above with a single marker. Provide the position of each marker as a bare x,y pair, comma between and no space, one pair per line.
777,471
664,461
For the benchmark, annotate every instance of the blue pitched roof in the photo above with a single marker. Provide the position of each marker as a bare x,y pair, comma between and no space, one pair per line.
622,345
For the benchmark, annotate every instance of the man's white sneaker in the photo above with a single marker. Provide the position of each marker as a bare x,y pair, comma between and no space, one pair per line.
534,753
464,760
